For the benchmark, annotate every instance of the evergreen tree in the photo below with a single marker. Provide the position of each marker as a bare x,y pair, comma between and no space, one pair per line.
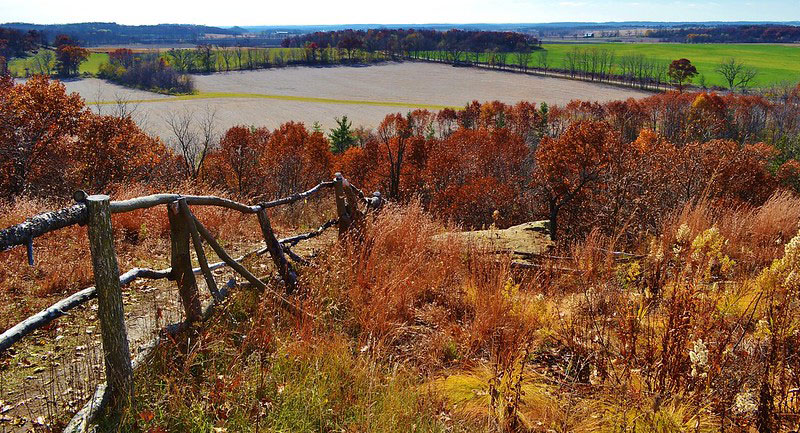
342,137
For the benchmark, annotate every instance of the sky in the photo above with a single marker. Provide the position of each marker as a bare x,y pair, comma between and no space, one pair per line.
274,12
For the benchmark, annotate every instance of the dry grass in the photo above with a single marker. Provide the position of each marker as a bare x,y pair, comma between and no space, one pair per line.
422,332
755,235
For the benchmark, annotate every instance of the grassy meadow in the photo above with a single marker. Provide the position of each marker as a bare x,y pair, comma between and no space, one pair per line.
775,63
17,66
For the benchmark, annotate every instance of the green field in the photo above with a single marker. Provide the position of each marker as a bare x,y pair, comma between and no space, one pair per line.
92,64
17,66
775,63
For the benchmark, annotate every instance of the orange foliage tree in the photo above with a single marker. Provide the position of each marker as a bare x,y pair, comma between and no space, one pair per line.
472,173
568,164
111,150
295,159
51,143
236,163
38,123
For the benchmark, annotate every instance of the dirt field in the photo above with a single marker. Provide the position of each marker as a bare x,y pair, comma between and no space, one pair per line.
364,94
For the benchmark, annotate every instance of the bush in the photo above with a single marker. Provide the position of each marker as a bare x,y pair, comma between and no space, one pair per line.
149,73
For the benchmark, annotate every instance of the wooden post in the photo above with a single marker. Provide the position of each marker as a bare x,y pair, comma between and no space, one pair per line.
182,263
352,200
341,206
198,248
236,266
276,251
117,356
375,202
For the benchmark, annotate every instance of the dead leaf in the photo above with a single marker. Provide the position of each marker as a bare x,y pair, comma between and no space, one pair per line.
147,415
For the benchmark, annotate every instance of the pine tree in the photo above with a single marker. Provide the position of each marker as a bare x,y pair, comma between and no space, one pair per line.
342,137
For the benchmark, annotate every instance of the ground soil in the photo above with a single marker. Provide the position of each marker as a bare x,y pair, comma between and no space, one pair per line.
358,90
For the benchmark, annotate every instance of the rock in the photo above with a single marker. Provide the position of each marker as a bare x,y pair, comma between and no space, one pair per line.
523,241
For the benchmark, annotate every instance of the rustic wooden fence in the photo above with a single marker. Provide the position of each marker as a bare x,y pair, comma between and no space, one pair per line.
96,210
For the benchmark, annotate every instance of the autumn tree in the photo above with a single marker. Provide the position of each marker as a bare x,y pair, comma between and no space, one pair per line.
69,56
568,164
38,121
681,72
122,56
295,159
111,150
473,172
69,147
236,162
394,133
350,44
312,50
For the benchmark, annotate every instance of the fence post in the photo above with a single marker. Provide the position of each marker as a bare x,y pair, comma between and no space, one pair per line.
188,216
341,206
182,263
276,251
110,312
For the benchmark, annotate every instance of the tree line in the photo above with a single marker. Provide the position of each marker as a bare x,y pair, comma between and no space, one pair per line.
412,42
97,33
771,33
582,166
604,65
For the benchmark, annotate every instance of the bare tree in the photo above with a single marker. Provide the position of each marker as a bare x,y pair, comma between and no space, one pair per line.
523,56
182,60
192,139
44,61
227,56
543,61
737,74
571,62
239,50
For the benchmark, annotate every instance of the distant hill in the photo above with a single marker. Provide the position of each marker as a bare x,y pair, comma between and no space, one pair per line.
507,26
90,34
99,33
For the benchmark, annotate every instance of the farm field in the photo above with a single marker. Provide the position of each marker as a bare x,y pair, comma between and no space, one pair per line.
364,94
775,63
17,66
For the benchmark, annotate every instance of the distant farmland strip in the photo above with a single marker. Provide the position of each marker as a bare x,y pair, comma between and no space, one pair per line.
776,63
225,95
